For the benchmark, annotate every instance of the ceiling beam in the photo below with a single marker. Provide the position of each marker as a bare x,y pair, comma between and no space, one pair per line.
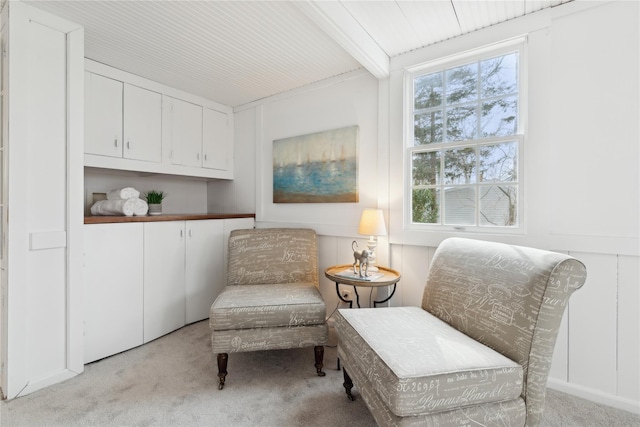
341,26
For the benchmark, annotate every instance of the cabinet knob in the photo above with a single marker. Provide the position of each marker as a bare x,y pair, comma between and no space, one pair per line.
198,156
128,145
115,142
205,157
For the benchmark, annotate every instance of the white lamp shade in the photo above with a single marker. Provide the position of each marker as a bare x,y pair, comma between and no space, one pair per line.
372,223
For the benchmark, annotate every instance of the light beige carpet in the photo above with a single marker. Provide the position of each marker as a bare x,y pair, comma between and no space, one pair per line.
172,381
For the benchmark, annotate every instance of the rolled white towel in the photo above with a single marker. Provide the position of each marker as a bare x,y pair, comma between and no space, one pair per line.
141,207
125,193
114,207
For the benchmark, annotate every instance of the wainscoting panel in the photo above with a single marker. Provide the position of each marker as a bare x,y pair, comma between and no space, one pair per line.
559,363
592,325
628,323
415,261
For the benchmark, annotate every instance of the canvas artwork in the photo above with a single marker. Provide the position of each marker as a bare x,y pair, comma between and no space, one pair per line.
320,167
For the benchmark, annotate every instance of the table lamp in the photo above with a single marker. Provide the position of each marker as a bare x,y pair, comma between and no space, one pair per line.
372,224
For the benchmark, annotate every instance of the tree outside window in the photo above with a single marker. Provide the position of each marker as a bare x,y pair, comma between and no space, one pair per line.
465,144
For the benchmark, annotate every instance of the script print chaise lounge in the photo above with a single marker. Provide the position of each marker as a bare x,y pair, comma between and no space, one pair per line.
477,352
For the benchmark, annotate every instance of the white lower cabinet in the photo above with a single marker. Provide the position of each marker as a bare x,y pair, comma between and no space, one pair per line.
144,280
204,275
113,299
164,267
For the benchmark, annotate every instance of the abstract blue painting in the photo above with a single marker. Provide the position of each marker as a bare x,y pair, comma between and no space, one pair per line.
320,167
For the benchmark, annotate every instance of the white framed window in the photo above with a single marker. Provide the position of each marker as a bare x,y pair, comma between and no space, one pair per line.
464,138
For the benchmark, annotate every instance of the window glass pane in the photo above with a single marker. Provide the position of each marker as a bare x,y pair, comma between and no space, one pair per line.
498,205
499,162
462,84
460,206
499,76
428,127
461,123
499,117
460,166
463,165
425,206
426,168
428,91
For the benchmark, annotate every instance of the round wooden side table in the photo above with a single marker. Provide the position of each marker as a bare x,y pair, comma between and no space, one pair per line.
340,275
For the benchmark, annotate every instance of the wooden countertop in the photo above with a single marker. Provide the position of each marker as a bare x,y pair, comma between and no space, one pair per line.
107,219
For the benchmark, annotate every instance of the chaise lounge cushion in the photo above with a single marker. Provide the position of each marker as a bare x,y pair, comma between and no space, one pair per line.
418,364
263,306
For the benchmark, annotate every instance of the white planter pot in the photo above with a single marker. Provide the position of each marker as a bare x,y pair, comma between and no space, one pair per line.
155,209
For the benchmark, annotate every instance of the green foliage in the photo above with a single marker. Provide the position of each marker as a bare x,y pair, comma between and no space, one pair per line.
154,197
425,206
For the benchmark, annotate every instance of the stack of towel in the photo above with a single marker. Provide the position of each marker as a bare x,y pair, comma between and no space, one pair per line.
122,201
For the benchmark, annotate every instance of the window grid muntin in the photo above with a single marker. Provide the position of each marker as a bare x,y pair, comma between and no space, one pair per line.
486,53
476,103
478,184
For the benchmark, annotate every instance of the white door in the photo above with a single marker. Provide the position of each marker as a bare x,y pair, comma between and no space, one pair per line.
217,139
164,293
186,133
44,167
113,302
204,267
103,115
142,124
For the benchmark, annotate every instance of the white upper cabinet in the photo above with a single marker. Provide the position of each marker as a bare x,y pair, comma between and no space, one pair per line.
142,124
114,109
184,131
103,115
135,124
217,130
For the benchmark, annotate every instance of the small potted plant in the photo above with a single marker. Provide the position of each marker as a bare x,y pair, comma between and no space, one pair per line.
154,200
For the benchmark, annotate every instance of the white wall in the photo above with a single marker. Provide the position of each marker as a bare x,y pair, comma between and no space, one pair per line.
348,100
581,163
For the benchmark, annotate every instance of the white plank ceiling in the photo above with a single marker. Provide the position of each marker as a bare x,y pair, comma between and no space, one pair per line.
236,52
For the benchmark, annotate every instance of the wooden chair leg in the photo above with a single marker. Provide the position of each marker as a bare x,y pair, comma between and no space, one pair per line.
319,351
222,368
348,384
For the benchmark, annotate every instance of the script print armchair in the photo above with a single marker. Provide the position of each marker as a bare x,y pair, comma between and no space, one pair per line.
477,352
271,300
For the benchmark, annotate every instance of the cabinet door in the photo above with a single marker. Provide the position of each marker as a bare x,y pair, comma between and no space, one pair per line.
204,267
103,115
217,140
142,124
186,133
164,293
112,289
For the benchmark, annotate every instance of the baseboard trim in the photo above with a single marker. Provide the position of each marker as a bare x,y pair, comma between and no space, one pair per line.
595,396
45,382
